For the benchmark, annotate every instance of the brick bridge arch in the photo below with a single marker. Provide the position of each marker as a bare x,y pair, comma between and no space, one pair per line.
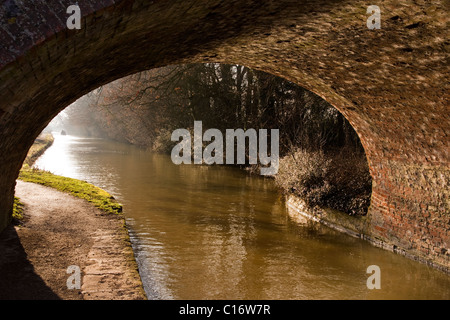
390,83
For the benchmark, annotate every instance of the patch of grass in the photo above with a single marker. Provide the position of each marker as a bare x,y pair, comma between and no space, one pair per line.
80,189
17,209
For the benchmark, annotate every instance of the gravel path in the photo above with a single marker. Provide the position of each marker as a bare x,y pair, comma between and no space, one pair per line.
59,231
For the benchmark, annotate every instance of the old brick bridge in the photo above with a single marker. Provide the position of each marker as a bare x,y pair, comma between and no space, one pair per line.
391,83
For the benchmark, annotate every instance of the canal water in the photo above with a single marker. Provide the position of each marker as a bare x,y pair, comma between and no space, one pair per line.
216,232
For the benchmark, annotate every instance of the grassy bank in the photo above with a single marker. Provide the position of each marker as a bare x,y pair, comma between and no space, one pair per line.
81,189
40,145
17,209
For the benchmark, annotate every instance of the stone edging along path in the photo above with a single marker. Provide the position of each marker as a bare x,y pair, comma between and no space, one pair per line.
60,231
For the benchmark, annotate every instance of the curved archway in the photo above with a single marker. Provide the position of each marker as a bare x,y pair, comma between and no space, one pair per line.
385,82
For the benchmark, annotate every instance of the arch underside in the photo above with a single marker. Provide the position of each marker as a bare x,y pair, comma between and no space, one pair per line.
391,83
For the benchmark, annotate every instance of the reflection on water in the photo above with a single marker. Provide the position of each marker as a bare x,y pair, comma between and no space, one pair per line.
214,232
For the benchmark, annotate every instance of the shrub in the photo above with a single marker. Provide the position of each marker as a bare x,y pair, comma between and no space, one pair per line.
338,180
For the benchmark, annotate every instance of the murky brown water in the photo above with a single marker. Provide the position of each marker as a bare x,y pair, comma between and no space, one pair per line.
218,233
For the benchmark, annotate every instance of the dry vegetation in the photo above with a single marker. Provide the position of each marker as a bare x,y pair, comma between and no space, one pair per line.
337,179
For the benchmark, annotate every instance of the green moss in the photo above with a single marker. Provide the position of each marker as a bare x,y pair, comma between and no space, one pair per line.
80,189
17,209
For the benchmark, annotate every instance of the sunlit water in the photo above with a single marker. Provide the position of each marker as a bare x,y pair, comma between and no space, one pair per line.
214,232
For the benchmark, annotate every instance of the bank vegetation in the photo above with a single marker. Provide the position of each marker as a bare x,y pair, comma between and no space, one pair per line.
80,189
